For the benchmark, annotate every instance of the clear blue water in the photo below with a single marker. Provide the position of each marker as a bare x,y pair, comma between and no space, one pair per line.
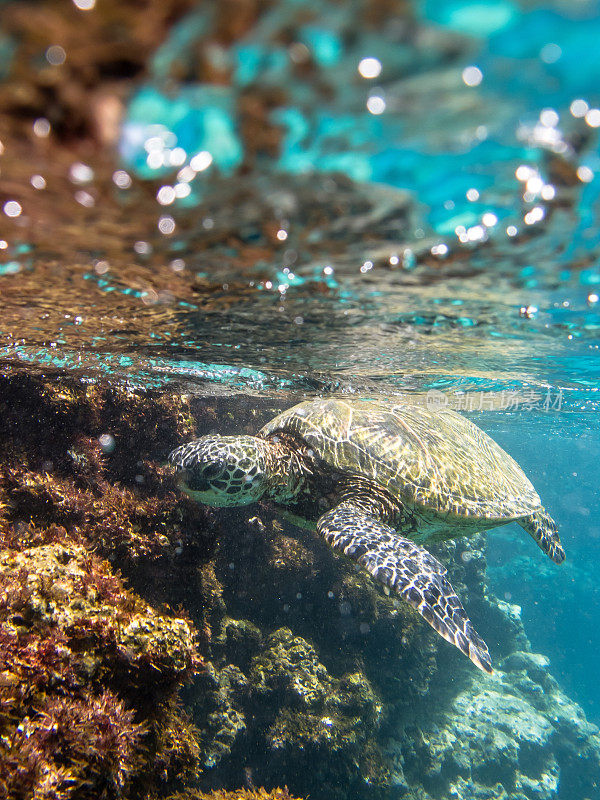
464,258
561,452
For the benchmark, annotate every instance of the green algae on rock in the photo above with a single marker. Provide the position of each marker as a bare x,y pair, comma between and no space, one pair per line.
312,713
218,707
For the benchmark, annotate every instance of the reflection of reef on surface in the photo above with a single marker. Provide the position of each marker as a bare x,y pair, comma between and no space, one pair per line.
92,281
74,67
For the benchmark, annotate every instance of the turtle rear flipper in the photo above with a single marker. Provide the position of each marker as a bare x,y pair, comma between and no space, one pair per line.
410,570
542,528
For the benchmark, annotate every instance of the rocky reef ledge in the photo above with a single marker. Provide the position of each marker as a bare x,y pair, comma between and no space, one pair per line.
515,735
283,665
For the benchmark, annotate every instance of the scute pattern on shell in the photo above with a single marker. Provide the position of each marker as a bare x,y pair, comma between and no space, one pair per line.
431,458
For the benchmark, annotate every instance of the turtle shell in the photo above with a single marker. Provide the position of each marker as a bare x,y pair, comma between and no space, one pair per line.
432,458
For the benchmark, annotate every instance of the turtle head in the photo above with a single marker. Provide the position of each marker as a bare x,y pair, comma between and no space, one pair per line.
222,470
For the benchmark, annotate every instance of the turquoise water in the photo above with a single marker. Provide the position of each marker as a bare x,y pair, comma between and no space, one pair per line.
435,227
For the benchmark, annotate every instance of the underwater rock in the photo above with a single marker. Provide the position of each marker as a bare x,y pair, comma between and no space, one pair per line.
462,736
513,735
71,747
65,589
286,716
318,727
218,708
240,641
87,673
289,667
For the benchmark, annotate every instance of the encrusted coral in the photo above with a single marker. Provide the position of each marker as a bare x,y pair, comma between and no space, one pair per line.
65,590
290,667
306,713
84,668
83,657
218,707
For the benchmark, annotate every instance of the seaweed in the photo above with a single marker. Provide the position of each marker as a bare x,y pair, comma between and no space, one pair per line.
236,794
58,470
85,667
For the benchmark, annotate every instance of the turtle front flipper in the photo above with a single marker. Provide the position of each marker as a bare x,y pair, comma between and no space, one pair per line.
410,570
542,528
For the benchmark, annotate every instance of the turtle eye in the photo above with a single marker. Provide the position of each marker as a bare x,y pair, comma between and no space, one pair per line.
213,469
196,482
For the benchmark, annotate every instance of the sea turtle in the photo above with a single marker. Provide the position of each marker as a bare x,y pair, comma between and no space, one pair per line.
378,478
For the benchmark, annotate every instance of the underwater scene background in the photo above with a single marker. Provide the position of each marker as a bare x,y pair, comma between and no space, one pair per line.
208,212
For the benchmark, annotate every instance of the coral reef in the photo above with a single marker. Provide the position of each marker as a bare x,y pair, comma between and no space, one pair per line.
348,693
237,794
218,708
90,671
311,676
288,707
309,658
77,464
87,671
282,577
